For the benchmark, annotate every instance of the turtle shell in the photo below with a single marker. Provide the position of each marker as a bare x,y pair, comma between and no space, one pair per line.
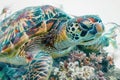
25,24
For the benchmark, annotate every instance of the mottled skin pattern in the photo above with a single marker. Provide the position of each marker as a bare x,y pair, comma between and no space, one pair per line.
35,36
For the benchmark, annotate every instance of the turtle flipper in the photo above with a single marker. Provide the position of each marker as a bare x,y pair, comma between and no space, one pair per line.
40,67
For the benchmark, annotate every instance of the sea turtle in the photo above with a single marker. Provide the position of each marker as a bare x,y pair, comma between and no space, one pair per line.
34,36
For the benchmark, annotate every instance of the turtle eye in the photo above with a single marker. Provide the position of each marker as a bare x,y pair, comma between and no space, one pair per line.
83,33
84,26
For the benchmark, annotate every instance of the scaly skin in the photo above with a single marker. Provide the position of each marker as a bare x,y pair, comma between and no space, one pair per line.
36,35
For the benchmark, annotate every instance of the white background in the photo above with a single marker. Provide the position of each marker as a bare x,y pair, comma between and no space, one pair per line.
108,10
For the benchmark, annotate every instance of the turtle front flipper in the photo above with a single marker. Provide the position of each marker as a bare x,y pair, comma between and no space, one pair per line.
40,67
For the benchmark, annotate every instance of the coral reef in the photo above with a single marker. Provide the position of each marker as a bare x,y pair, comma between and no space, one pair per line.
78,66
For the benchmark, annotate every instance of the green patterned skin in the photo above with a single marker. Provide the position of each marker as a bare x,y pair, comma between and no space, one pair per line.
34,36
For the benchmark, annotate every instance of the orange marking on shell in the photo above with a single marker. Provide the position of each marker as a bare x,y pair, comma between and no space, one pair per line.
42,29
29,57
16,31
22,40
7,49
62,35
49,25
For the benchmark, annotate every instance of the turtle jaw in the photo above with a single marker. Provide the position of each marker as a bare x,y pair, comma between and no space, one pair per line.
90,42
93,35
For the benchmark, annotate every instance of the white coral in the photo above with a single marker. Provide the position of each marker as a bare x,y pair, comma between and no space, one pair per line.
74,71
87,71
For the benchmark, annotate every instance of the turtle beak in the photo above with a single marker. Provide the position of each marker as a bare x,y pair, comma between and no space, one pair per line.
97,29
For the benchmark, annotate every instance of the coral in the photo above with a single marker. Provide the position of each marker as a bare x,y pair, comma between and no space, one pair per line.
79,66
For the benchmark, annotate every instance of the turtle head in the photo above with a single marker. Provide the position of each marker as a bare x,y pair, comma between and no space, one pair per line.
84,29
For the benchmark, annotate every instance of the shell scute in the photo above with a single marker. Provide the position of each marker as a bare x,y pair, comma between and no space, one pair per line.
24,24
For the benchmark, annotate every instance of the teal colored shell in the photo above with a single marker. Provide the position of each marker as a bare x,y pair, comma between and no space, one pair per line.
26,21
